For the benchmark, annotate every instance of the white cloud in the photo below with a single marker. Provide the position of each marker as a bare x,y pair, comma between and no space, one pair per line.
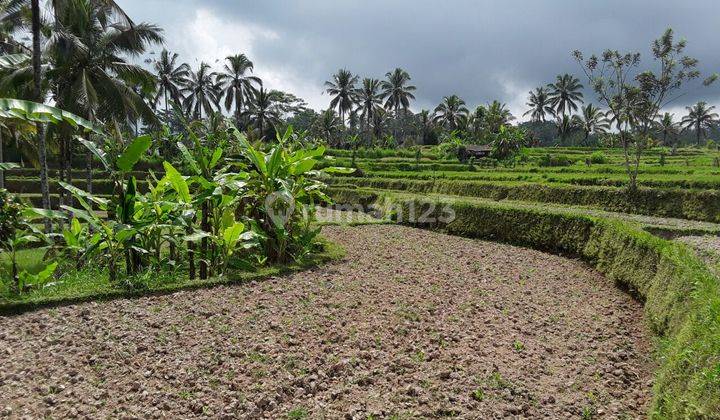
204,36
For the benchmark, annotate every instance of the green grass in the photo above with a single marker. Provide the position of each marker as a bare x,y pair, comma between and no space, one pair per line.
30,260
702,205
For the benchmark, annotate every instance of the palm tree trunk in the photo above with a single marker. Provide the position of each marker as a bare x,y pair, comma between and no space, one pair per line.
238,109
2,159
37,86
697,133
67,165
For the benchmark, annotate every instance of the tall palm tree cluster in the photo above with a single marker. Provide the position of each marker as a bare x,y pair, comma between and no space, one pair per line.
562,101
370,104
199,93
380,110
80,59
84,57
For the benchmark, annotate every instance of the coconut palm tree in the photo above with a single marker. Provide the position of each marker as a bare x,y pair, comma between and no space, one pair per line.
667,127
171,78
397,93
451,112
202,92
342,89
91,75
264,109
700,117
496,116
540,105
565,94
37,90
396,90
591,121
369,100
236,83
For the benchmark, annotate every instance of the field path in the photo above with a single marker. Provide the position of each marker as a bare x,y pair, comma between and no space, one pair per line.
411,323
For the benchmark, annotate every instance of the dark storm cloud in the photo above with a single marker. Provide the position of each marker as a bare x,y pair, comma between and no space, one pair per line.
481,50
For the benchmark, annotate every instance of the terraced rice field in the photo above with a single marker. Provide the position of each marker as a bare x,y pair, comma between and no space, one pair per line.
410,324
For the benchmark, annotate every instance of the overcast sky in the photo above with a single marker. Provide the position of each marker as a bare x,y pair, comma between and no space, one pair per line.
480,50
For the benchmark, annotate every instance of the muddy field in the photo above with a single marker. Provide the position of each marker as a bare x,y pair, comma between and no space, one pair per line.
410,324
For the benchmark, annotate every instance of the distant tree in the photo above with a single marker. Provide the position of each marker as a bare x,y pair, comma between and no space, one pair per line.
565,128
369,99
540,105
328,125
170,78
634,99
342,90
497,115
451,112
700,118
236,83
397,93
264,110
427,127
201,92
591,121
396,90
667,127
565,94
478,124
380,123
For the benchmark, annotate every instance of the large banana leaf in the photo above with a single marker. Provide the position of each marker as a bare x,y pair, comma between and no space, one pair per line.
36,112
99,153
177,182
133,153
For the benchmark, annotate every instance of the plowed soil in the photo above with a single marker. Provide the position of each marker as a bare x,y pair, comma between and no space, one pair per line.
410,324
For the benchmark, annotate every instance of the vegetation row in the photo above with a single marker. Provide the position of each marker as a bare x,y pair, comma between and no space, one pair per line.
701,205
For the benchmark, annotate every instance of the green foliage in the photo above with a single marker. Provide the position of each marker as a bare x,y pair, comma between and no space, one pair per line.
10,216
701,205
35,112
507,142
549,160
598,158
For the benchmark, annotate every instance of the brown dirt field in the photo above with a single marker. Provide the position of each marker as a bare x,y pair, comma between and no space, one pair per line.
410,324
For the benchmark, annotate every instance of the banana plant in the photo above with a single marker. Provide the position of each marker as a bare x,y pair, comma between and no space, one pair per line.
209,180
285,188
114,240
17,235
126,194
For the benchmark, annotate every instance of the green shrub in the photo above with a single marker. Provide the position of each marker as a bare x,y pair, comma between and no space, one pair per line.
549,160
10,209
599,158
